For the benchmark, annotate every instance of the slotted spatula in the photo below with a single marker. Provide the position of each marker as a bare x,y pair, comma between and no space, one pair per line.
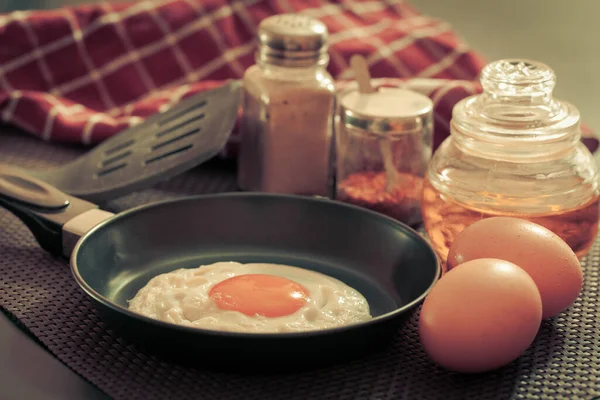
163,146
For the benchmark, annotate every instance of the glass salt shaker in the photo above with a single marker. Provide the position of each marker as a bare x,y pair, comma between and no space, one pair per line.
384,142
288,110
514,150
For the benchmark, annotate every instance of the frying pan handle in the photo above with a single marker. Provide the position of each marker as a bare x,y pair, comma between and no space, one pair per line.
50,214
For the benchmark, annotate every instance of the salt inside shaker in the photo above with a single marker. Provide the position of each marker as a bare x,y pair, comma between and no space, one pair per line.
384,142
288,110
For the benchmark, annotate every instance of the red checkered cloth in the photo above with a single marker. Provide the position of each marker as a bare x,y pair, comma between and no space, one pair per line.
83,74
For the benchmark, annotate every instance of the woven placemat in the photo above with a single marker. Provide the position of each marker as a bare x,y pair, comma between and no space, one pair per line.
38,293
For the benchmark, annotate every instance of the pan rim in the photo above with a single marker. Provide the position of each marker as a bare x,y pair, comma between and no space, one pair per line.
93,294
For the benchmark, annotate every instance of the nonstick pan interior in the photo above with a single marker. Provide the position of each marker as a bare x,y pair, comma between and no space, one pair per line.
390,264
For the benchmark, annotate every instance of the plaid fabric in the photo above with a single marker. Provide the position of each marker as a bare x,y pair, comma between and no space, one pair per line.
83,74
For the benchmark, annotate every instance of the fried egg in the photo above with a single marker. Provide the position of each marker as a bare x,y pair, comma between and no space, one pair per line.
260,298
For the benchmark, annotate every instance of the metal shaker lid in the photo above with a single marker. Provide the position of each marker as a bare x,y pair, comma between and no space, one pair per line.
292,40
387,110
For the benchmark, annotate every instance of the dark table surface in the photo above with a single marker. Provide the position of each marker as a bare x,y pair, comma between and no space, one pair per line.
27,371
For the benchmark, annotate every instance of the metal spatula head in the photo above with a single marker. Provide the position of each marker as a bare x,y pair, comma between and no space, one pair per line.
163,146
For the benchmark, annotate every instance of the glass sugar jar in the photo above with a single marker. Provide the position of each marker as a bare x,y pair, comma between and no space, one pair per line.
383,145
288,110
514,150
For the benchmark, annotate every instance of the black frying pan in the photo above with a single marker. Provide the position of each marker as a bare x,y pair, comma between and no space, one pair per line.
113,256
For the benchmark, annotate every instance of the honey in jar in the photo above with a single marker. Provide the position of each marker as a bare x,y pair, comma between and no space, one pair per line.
514,150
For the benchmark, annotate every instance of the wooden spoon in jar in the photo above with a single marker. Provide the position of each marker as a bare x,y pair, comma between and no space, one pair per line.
363,78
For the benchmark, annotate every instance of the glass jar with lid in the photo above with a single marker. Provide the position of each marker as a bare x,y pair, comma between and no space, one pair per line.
288,110
513,150
384,142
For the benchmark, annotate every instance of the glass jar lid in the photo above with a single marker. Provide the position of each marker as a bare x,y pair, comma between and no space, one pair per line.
292,40
516,108
387,111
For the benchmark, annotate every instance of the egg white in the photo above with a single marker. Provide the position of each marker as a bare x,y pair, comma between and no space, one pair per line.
182,297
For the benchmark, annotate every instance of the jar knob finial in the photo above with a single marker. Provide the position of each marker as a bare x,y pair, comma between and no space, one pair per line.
518,78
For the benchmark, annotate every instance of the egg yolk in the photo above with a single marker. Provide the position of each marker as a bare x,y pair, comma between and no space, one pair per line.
259,294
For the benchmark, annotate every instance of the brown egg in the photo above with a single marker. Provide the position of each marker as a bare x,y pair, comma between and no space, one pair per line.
544,255
480,316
